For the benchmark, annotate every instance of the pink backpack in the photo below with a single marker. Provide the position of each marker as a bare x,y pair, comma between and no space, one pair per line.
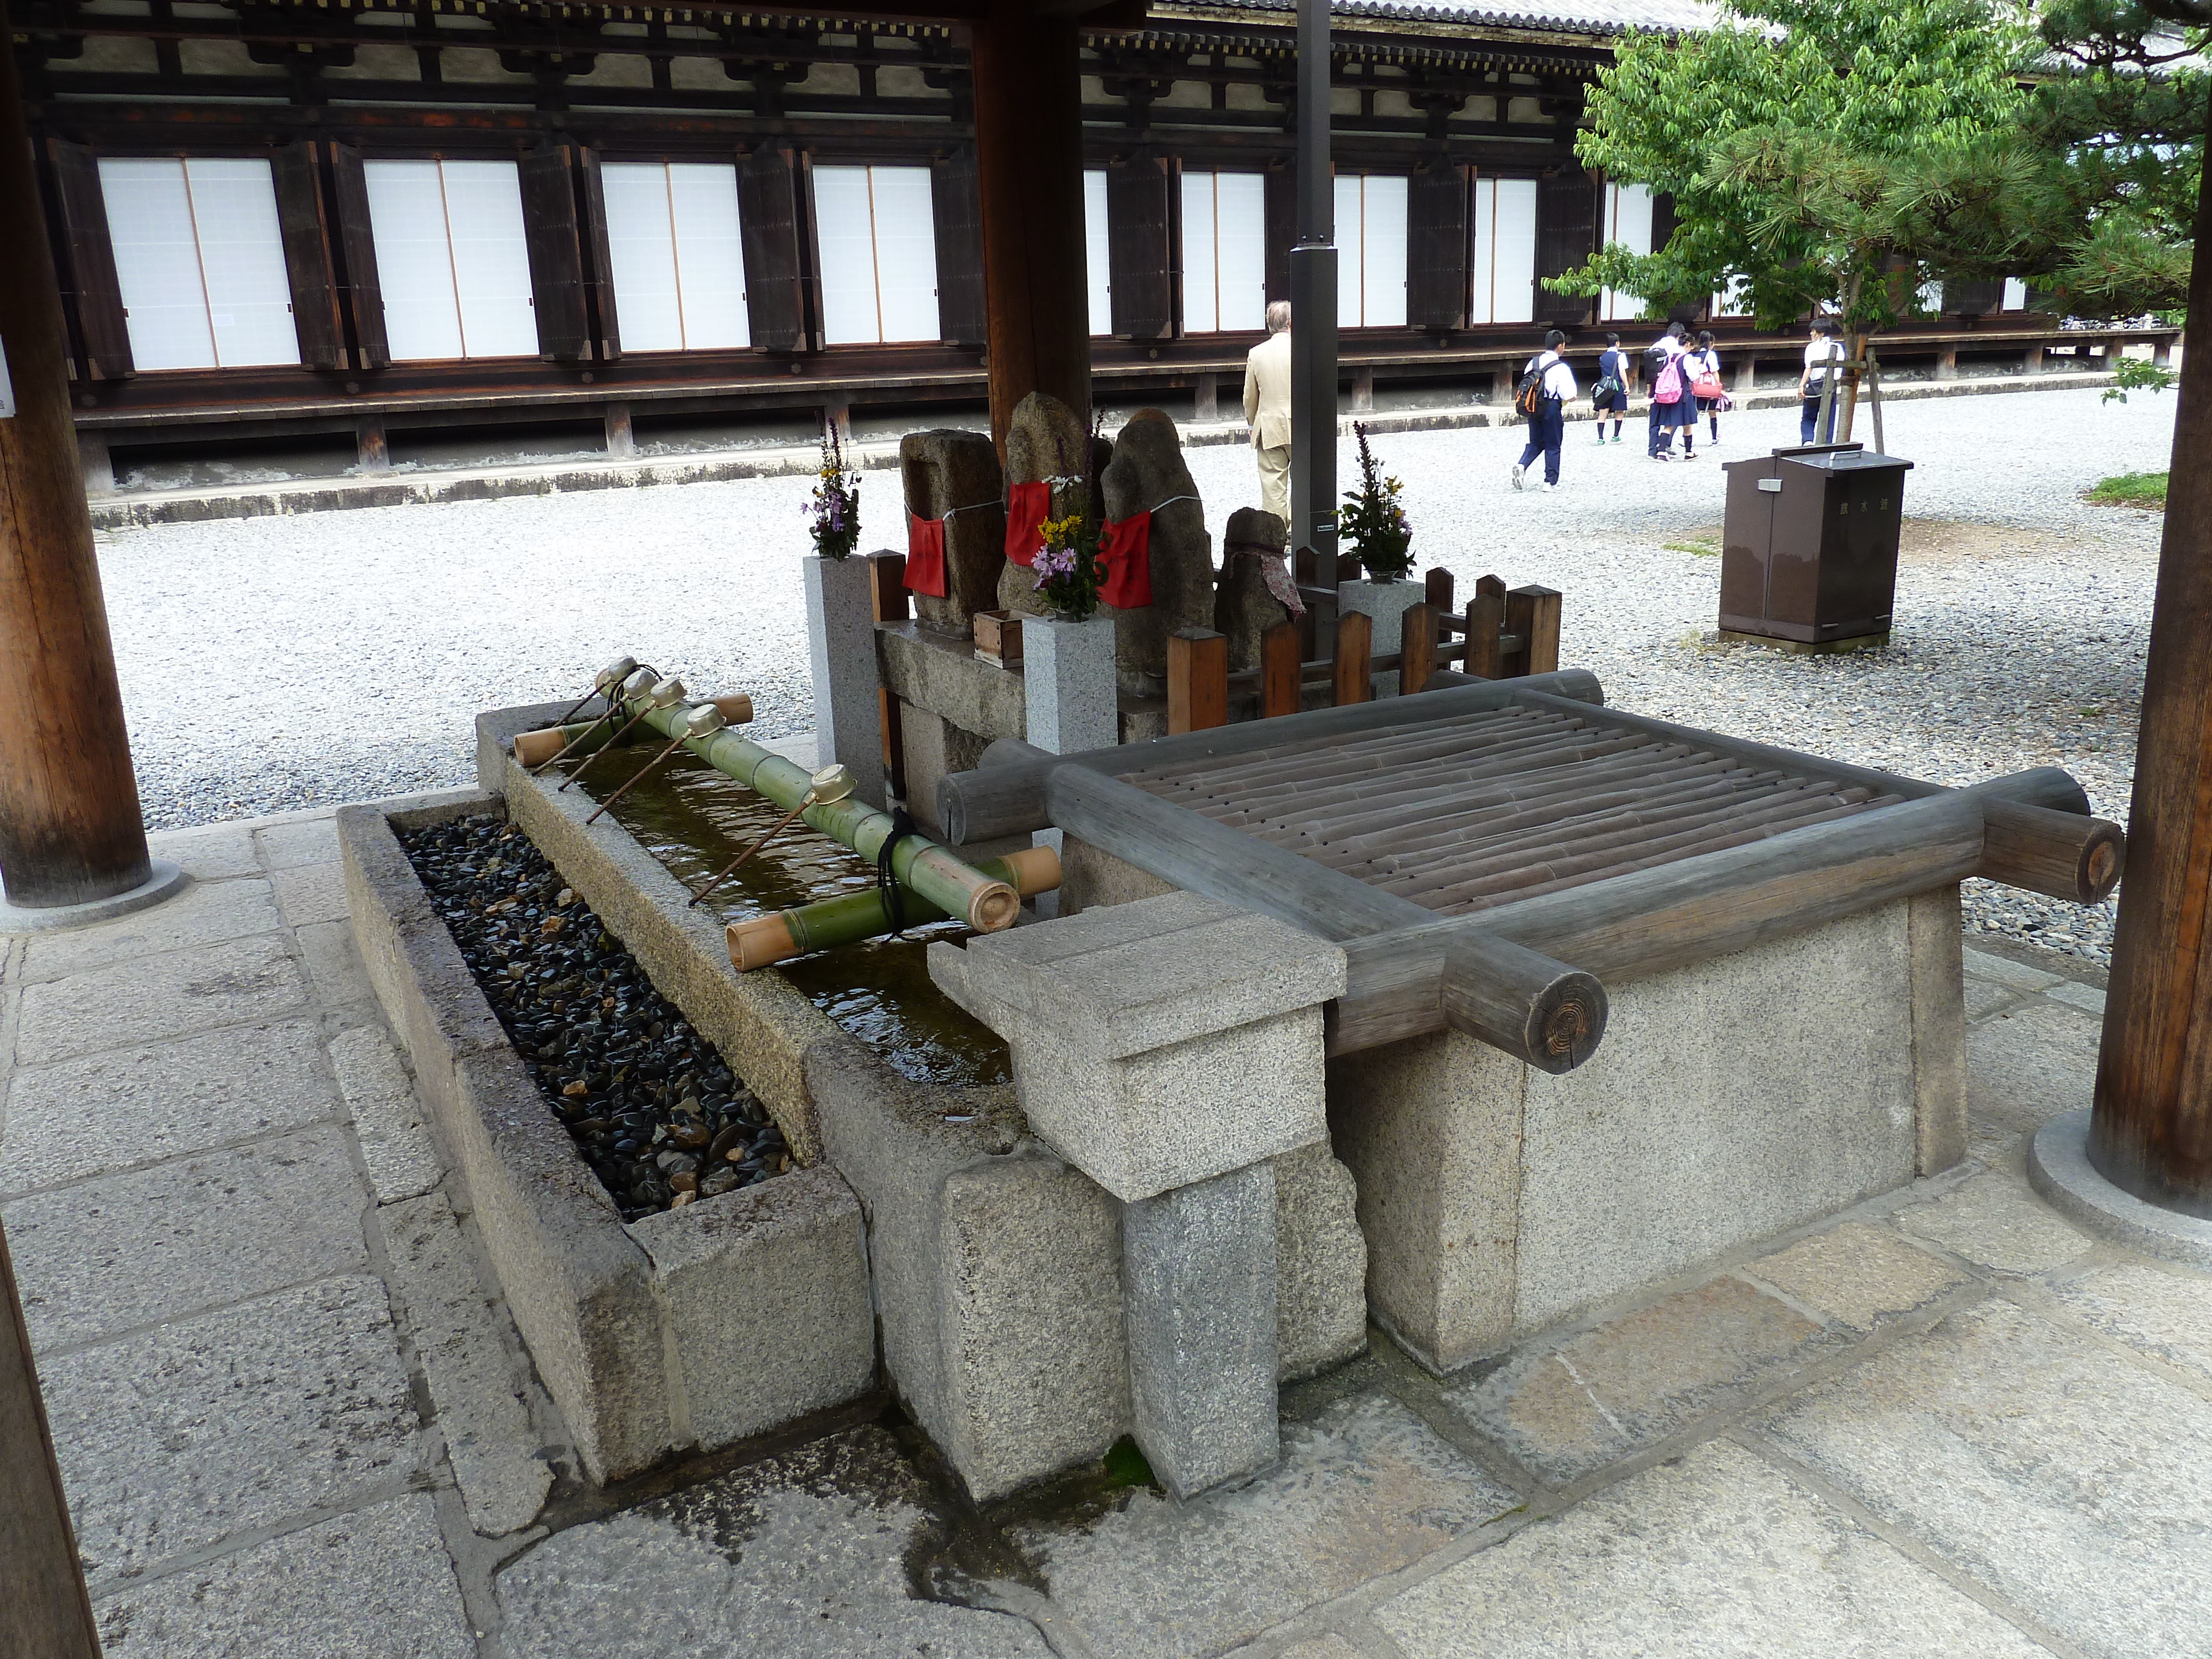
1668,388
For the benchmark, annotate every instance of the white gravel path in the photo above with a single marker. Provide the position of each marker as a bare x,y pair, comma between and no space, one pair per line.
275,663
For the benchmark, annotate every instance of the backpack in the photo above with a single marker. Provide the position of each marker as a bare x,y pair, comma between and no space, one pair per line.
1529,397
1655,358
1668,388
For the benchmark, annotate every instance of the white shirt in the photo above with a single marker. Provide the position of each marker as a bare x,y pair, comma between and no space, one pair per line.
1818,353
1706,361
1559,379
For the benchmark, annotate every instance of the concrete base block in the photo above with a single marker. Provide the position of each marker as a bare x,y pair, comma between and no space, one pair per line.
1090,879
932,747
1733,1100
1199,1263
841,631
1068,671
1320,1265
1388,604
163,880
2058,1167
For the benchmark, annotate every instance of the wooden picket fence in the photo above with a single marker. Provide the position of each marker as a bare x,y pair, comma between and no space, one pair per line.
1502,633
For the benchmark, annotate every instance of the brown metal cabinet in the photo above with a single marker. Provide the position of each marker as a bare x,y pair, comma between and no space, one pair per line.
1809,551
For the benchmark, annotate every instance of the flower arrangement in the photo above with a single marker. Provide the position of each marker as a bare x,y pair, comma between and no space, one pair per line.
1373,522
834,511
1067,572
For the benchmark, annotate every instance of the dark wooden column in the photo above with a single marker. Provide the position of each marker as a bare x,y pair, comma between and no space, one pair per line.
1028,164
69,829
2151,1131
44,1610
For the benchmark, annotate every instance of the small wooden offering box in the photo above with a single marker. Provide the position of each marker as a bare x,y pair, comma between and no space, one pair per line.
999,638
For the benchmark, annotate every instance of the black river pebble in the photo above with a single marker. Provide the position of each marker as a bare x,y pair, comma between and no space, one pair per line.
581,1012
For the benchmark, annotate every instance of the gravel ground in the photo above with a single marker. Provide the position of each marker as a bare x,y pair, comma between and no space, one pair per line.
275,663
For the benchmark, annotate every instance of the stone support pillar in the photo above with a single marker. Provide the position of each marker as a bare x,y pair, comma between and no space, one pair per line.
1947,363
372,452
1070,700
1169,1048
1747,375
1388,603
99,465
841,629
621,441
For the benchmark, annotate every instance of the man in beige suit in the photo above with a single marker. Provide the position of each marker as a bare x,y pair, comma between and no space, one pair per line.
1267,410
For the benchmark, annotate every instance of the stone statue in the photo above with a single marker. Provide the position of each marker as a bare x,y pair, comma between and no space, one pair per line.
950,471
1258,590
1046,439
1148,473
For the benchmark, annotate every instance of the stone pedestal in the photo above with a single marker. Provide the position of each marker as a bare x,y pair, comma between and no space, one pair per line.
841,629
1388,603
1198,1264
1072,699
1168,1048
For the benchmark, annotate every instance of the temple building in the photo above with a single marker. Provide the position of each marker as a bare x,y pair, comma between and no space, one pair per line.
342,219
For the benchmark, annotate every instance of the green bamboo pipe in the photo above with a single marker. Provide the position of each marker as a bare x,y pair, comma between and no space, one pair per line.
851,917
989,904
534,749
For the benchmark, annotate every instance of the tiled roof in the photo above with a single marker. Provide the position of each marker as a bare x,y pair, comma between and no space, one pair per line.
1580,16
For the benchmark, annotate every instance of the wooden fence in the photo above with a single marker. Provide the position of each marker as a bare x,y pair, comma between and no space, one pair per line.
1501,634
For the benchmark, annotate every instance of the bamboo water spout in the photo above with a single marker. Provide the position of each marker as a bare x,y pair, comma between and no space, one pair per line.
989,904
533,749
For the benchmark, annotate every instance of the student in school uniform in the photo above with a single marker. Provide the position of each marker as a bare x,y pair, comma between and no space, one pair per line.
1610,394
1822,352
1701,366
1658,357
1547,427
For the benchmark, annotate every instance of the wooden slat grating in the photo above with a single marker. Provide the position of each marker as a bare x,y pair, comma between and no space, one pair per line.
1462,814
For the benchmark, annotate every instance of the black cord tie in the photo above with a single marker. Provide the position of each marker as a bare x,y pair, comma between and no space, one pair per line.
887,885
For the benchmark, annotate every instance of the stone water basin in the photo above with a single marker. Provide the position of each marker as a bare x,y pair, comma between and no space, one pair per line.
693,820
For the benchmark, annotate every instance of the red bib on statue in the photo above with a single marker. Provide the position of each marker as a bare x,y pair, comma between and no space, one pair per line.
925,555
1028,505
1125,549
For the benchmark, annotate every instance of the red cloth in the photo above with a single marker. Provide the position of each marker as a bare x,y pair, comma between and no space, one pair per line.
925,555
1125,549
1028,505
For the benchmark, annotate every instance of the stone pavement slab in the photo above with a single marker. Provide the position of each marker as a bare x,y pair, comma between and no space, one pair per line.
798,1557
1857,1274
138,1106
477,1383
1716,1555
1564,1409
176,1439
1994,1221
147,998
131,1250
373,1584
389,1124
205,913
311,892
304,840
2154,1307
212,852
1363,1489
2033,1062
333,962
2067,1478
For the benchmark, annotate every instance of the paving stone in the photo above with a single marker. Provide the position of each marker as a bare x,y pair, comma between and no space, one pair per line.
1994,1221
374,1584
2065,1478
178,1438
472,1360
390,1123
2087,998
1715,1555
205,913
1986,996
1363,1489
799,1555
1858,1274
2161,1311
1327,1646
88,1117
2002,970
145,1000
1564,1409
306,840
211,853
2031,1063
311,892
334,966
130,1249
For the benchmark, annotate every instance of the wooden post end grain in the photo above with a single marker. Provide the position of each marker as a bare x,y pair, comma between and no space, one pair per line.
1280,666
1355,654
1197,680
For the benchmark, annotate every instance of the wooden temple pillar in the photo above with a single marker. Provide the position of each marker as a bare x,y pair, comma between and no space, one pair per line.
70,827
2151,1132
1029,167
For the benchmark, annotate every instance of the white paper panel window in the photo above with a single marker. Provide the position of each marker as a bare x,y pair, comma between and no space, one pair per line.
877,242
451,259
1371,250
1504,255
678,259
1733,300
1930,296
199,256
1628,221
1098,264
2015,295
1225,253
